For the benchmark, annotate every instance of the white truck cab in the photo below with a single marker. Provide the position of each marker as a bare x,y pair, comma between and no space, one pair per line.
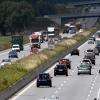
16,47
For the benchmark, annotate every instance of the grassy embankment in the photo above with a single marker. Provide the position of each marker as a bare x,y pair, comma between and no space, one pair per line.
12,73
6,44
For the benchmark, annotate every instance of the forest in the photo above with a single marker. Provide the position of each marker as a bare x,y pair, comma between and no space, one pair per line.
18,15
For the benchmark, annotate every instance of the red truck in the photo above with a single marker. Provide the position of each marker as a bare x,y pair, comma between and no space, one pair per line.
65,61
35,42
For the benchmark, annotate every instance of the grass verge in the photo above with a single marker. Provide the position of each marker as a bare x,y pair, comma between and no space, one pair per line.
16,71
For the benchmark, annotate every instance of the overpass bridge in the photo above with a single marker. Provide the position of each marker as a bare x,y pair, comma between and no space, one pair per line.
64,18
89,2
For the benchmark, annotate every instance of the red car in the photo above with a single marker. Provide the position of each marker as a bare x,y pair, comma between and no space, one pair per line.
67,62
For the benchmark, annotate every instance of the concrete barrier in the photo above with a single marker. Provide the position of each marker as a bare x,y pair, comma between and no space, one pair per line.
6,94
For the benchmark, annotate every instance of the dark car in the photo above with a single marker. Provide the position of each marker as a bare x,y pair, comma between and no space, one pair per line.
60,69
75,52
44,79
13,54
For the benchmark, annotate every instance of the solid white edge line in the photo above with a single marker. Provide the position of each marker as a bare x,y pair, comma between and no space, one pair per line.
98,94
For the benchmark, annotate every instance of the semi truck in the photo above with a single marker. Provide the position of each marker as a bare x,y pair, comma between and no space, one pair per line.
42,35
35,41
17,42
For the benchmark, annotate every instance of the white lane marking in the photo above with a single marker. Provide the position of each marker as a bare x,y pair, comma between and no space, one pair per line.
92,86
62,85
34,81
52,96
98,94
56,92
59,88
64,81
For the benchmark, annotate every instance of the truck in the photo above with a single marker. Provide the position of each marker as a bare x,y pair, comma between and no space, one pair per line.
17,42
35,41
98,44
42,35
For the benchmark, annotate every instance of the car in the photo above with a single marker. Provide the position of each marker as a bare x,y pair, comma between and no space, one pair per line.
5,62
16,47
67,62
93,37
84,68
44,79
60,69
87,61
13,54
91,57
91,41
90,52
75,52
96,51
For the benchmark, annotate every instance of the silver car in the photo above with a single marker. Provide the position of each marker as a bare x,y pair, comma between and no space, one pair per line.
84,68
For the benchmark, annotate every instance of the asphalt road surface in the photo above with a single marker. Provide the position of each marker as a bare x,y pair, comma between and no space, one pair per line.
26,51
73,87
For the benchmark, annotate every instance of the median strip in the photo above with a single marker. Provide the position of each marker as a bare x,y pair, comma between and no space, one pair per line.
26,69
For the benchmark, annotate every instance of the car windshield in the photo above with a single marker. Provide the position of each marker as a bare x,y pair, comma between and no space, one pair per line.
16,46
89,50
43,76
84,65
60,66
86,61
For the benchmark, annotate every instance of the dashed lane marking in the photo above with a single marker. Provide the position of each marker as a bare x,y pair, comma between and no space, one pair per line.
92,87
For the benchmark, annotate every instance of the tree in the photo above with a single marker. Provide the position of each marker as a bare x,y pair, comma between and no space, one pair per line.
15,16
43,7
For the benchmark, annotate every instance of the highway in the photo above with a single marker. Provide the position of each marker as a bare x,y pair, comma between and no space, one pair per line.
73,87
26,51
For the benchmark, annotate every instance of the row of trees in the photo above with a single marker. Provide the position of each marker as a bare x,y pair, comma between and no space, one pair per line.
18,15
15,16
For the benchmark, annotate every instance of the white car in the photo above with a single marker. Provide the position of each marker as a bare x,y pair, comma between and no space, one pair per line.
5,62
16,47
